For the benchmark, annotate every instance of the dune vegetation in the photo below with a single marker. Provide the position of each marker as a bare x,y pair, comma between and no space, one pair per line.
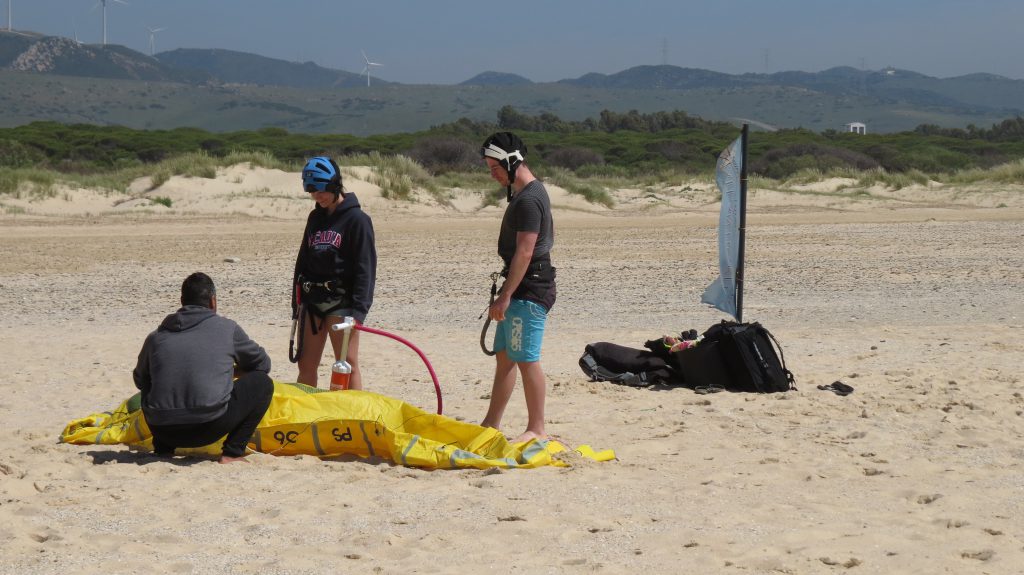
586,158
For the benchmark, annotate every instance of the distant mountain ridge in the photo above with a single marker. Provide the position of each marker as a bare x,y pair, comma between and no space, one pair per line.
997,93
658,77
227,90
64,56
496,79
233,67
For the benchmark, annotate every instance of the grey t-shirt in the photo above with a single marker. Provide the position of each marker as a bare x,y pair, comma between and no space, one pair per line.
529,211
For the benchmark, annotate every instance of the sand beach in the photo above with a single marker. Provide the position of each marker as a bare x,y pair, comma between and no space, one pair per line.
912,296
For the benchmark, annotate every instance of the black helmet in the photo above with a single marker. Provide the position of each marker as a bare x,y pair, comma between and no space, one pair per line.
509,150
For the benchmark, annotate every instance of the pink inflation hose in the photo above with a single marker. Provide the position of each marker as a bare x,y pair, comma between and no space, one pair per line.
433,376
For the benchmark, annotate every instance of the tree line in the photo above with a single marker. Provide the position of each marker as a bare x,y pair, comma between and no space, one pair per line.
626,144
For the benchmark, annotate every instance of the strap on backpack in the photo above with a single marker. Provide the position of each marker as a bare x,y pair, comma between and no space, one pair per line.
790,378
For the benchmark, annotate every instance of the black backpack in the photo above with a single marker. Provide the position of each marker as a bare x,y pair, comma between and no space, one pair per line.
737,357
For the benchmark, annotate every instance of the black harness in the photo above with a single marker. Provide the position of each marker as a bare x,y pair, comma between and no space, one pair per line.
328,286
322,292
314,292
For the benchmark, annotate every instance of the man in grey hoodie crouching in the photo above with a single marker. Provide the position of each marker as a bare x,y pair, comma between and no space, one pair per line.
186,372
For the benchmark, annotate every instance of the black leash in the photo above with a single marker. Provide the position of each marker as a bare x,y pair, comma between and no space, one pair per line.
483,332
298,321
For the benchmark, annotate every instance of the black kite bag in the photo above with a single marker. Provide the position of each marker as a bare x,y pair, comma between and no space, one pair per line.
737,357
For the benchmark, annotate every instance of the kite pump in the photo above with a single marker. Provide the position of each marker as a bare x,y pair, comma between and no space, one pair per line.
341,371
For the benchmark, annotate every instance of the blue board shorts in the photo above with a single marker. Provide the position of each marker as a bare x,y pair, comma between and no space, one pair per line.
521,333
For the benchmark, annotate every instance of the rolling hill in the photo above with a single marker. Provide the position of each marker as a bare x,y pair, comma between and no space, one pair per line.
232,67
58,79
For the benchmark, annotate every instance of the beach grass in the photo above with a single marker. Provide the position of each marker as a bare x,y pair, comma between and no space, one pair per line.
590,190
396,175
1009,173
399,177
32,183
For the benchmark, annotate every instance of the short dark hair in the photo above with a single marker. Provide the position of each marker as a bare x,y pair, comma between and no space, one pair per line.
197,289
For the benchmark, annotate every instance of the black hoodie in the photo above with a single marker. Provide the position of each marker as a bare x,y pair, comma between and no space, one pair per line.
186,367
340,247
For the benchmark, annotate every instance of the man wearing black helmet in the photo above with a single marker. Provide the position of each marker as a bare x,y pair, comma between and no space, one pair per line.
521,307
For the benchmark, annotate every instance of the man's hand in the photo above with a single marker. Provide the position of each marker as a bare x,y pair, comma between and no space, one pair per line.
498,308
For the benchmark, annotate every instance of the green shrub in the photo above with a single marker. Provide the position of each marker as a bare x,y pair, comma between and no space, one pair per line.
442,154
574,157
14,154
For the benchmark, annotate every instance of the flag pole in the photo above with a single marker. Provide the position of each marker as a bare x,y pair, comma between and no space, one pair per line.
743,224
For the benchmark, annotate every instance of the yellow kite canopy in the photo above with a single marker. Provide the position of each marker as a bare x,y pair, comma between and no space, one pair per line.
305,420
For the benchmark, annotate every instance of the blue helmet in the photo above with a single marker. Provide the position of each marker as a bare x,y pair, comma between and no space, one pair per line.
321,174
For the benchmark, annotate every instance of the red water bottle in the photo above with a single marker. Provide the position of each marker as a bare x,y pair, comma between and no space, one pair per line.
341,371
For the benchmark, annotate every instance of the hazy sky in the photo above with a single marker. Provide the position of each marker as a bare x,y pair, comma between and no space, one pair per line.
448,41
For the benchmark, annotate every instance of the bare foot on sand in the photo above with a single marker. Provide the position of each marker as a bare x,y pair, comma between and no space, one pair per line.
226,459
527,436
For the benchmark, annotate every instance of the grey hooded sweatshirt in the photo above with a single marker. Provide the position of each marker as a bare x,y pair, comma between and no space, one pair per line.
186,367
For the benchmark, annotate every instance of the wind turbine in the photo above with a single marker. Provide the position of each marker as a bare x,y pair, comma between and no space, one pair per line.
104,4
152,39
10,23
369,65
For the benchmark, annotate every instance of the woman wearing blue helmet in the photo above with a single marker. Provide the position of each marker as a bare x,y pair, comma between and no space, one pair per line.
335,271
